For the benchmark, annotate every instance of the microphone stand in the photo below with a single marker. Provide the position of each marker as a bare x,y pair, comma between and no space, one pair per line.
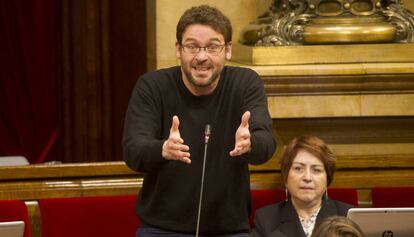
207,133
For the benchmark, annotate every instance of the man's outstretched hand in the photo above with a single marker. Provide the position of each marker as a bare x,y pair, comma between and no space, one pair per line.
174,147
242,137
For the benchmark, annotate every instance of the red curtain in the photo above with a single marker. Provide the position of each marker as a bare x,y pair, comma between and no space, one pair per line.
30,79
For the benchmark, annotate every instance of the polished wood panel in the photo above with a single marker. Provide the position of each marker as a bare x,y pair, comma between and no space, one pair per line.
127,45
358,142
114,178
338,84
86,81
73,170
353,162
56,188
363,179
68,180
34,182
34,218
322,54
104,52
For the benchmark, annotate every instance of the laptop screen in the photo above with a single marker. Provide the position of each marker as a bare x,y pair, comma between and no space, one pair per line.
12,229
384,222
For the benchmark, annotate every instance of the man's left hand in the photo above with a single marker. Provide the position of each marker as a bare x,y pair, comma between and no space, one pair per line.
243,143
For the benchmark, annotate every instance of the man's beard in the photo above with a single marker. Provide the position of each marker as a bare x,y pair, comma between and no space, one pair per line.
214,77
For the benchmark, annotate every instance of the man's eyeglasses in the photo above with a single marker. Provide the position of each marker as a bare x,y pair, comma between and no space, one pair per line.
210,49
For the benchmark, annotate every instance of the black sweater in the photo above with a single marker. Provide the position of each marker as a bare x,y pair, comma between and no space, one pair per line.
170,193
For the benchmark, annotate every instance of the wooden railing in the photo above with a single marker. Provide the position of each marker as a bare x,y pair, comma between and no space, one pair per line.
34,182
115,178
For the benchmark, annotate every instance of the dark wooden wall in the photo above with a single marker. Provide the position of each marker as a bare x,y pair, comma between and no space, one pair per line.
103,53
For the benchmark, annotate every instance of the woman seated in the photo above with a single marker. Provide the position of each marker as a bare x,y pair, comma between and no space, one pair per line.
307,167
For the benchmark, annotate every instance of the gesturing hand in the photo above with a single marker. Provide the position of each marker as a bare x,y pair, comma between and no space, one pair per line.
174,147
243,143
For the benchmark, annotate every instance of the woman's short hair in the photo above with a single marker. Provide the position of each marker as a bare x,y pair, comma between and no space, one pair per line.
337,226
314,146
205,15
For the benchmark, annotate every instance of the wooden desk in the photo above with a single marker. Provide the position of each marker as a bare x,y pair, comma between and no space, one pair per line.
34,182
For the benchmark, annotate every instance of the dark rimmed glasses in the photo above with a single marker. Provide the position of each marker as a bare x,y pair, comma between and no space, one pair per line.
210,49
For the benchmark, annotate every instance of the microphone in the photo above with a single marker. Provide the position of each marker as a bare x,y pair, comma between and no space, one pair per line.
207,133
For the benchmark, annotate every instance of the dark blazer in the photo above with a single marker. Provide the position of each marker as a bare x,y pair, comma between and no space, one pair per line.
281,219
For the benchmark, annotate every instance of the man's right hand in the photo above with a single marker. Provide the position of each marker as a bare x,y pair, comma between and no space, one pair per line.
174,147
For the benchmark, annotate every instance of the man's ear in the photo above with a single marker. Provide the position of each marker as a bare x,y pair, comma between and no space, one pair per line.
177,50
228,50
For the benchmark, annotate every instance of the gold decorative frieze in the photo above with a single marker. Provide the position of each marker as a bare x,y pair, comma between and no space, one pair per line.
295,22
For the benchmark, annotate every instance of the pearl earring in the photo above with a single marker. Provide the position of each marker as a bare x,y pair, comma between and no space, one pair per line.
286,194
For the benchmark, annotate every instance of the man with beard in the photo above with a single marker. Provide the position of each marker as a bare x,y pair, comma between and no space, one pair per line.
164,134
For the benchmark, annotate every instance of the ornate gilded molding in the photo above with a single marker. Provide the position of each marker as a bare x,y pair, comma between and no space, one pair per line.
403,21
296,22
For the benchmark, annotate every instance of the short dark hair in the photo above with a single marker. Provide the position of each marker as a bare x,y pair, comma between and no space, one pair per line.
205,15
314,146
337,226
